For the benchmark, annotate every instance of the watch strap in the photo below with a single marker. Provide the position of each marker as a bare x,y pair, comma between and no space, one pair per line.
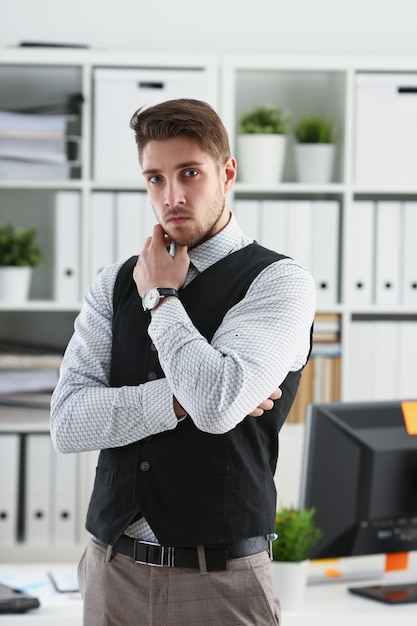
166,292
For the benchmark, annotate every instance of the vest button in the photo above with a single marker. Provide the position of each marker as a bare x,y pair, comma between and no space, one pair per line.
145,466
153,347
152,376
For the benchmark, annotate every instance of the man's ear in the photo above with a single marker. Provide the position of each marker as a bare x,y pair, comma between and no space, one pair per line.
230,170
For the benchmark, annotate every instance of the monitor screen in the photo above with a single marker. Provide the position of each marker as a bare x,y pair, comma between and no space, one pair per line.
360,473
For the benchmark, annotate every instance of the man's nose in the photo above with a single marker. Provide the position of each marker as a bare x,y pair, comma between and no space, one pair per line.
174,194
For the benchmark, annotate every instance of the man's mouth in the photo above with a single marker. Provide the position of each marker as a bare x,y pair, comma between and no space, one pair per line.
176,218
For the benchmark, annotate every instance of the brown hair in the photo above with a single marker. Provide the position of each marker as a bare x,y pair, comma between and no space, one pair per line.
183,117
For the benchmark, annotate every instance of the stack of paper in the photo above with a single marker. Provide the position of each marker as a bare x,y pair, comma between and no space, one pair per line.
36,146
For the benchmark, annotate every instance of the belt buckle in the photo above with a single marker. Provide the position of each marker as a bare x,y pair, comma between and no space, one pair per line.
153,554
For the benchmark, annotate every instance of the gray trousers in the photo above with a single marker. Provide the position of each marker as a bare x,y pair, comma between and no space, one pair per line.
119,592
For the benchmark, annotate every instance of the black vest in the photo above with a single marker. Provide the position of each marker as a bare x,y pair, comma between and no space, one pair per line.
192,487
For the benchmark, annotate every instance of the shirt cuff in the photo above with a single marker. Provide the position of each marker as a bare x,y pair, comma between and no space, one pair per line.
167,315
158,406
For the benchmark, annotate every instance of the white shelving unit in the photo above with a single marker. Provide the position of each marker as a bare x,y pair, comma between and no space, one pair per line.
325,85
32,77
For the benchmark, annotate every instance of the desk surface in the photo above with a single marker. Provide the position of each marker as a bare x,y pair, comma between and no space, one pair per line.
55,608
325,604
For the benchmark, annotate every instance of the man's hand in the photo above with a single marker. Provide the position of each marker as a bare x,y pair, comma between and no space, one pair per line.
156,267
267,404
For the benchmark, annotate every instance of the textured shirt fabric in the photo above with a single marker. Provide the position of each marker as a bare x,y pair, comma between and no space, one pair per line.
260,340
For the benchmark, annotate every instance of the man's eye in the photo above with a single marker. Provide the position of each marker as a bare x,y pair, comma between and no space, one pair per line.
154,179
190,173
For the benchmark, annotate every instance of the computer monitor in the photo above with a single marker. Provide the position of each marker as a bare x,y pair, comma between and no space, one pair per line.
360,473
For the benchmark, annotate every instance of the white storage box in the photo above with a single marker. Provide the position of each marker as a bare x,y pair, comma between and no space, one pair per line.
118,93
386,129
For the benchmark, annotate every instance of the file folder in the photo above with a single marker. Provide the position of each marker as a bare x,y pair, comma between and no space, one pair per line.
64,475
358,359
360,257
118,93
274,224
325,251
409,255
37,517
385,369
9,487
247,213
67,246
375,362
407,359
129,237
102,231
299,244
148,219
388,240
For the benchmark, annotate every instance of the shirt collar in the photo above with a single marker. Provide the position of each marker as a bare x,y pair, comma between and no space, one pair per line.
228,240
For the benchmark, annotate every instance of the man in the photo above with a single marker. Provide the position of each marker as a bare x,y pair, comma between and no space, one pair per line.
172,373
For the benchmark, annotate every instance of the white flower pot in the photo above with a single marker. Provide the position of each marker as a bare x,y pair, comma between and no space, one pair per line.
314,162
290,583
15,283
260,158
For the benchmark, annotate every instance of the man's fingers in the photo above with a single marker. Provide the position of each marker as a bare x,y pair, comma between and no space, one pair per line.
256,412
267,404
276,394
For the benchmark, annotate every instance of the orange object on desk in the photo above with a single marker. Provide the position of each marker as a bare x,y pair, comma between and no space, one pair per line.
409,410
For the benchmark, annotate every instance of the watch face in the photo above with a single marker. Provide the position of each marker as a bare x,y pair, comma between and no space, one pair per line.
151,299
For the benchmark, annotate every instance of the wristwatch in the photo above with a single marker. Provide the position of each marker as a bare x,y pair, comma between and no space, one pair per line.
153,296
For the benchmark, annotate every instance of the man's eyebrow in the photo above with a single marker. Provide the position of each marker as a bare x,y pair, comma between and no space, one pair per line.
180,166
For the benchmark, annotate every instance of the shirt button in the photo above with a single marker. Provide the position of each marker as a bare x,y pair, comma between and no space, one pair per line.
145,466
152,376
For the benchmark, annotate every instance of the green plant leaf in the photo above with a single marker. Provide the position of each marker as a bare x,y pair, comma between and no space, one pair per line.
297,534
18,247
314,129
264,120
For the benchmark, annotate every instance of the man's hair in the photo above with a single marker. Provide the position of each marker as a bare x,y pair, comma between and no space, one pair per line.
183,117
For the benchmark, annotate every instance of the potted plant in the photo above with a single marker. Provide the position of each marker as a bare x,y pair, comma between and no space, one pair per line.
314,149
19,253
297,534
261,144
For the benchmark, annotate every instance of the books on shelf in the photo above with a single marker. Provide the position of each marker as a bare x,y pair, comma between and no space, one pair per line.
320,378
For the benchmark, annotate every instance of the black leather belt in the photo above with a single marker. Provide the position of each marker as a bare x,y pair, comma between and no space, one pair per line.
216,555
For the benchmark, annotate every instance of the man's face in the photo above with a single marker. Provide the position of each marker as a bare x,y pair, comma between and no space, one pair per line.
187,189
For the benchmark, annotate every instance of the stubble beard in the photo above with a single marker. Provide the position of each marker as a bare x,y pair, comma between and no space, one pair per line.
190,240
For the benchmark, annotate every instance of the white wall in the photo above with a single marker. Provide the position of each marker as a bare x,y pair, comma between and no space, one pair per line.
377,27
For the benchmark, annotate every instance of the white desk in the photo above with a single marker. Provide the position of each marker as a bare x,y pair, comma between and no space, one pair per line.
56,608
326,604
334,605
